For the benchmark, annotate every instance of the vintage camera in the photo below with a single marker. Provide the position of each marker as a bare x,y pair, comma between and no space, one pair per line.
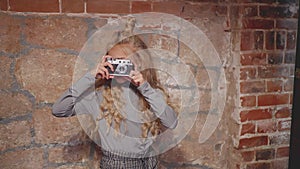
122,67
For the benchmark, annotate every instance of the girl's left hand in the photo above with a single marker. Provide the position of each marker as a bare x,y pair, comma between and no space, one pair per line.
136,77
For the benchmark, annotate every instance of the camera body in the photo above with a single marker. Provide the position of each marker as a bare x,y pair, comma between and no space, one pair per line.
122,67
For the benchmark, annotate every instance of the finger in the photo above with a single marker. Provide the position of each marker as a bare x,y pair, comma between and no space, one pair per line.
105,65
137,79
100,74
133,73
105,57
109,65
134,82
105,72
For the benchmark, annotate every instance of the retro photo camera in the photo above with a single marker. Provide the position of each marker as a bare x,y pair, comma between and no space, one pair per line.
122,67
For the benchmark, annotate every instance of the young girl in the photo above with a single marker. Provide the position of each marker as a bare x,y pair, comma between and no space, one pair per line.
129,110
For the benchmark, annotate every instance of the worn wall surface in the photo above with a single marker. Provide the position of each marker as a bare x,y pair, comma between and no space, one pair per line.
255,41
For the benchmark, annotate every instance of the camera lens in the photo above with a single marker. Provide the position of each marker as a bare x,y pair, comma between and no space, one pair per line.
122,69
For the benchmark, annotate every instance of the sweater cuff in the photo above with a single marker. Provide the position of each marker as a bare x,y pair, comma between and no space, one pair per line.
144,88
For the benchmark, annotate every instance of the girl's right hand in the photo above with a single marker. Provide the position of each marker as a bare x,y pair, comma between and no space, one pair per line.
101,71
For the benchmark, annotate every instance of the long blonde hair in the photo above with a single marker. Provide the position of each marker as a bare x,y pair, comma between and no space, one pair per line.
109,109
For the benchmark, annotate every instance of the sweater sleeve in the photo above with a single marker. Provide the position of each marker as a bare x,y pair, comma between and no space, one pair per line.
158,105
64,106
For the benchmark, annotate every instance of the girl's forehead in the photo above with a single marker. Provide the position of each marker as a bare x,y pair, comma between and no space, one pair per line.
121,51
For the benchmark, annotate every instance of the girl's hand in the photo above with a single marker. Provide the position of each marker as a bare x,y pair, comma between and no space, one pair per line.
101,71
137,78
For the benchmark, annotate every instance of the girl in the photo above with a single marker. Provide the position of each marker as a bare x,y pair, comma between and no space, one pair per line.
129,110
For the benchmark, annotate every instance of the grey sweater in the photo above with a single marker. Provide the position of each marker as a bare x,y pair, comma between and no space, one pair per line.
82,98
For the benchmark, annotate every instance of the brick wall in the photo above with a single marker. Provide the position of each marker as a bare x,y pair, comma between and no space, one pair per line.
256,41
267,35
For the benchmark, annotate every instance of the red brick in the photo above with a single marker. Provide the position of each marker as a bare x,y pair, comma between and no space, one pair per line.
289,84
170,7
258,24
246,41
280,163
72,6
254,59
265,154
280,39
27,158
289,24
248,11
108,6
140,6
248,128
252,87
247,73
34,5
274,71
284,125
258,40
264,165
248,156
275,58
273,99
274,85
270,40
283,113
258,114
280,139
266,127
253,142
248,101
275,12
252,40
290,57
3,5
291,40
282,152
